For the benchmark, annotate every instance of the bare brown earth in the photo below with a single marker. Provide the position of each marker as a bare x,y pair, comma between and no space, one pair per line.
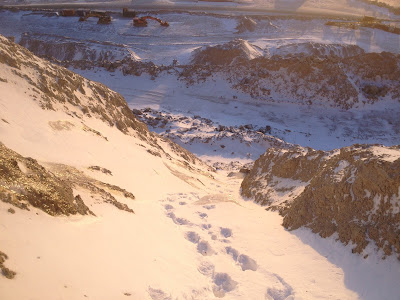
352,192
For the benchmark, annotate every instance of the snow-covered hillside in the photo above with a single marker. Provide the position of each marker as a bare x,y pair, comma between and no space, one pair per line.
100,197
191,235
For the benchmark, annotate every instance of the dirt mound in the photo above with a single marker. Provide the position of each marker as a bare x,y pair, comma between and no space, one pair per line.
354,192
225,54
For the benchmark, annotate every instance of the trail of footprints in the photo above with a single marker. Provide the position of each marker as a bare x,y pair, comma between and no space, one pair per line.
222,282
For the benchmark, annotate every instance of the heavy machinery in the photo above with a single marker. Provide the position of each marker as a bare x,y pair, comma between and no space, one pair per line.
142,21
67,13
126,13
104,18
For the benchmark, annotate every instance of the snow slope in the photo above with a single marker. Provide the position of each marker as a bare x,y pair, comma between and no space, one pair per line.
192,236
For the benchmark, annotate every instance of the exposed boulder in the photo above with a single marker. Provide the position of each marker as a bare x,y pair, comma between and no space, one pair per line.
353,191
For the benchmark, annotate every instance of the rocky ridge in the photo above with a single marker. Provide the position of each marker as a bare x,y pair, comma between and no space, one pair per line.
353,192
6,272
56,88
314,76
318,50
88,55
341,76
244,140
24,183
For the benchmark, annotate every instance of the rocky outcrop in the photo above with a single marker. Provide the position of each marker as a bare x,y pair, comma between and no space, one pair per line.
234,141
66,50
57,88
317,50
24,182
6,272
353,192
334,75
279,176
89,54
307,79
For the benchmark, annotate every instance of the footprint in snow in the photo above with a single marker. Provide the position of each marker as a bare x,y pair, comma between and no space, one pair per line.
282,293
168,207
206,268
206,226
202,215
178,221
226,232
192,236
209,206
223,283
157,294
243,260
204,248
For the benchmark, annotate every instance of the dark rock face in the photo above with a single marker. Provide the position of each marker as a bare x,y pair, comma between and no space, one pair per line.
6,272
24,181
354,192
326,75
